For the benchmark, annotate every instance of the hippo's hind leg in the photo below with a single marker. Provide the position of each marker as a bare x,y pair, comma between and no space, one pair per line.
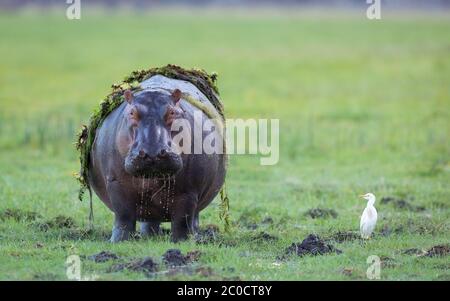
124,211
196,222
183,217
150,228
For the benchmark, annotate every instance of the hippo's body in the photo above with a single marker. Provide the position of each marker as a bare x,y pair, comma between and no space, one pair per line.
136,173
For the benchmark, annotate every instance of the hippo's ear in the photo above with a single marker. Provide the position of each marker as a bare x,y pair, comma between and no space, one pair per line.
128,96
176,95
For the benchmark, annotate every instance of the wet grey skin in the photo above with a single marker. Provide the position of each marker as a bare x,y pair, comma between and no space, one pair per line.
135,172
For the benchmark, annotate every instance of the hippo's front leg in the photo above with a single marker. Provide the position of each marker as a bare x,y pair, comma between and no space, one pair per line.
124,211
183,217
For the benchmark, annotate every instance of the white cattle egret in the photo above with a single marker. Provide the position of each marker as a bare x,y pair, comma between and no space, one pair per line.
369,216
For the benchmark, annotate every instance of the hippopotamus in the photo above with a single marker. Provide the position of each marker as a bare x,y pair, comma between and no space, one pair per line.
136,170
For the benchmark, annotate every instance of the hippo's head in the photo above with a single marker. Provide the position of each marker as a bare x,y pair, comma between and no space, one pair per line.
148,119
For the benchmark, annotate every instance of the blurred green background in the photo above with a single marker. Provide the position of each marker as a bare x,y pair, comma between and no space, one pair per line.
363,106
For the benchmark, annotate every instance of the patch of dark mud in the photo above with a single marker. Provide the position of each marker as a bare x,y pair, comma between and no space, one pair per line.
193,256
146,265
58,222
268,220
413,251
174,258
249,222
208,235
438,251
311,245
103,256
19,215
387,262
344,236
400,203
321,213
229,269
262,237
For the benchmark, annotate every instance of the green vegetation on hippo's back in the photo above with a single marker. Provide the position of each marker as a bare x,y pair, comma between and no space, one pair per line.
201,79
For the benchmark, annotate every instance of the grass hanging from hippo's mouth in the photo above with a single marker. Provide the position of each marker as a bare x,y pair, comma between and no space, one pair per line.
205,82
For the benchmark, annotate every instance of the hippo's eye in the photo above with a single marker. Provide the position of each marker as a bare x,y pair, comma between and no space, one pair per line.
133,117
170,116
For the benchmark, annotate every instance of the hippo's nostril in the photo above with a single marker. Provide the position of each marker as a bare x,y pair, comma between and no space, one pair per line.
162,153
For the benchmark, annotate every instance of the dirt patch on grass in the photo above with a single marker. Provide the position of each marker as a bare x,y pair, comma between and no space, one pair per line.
193,256
19,215
146,265
263,237
344,236
268,220
438,251
387,262
212,235
401,204
103,256
249,221
209,234
172,259
58,222
175,258
321,213
311,245
413,251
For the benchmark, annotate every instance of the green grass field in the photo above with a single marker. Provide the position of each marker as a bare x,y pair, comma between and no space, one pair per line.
363,106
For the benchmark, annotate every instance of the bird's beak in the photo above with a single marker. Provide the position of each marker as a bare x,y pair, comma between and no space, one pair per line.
361,196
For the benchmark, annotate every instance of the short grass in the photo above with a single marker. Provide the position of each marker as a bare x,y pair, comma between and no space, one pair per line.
363,106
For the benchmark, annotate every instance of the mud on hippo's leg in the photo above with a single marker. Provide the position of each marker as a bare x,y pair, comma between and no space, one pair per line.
183,219
196,222
124,211
150,228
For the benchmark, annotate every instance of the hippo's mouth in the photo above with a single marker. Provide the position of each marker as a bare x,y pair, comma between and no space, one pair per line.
155,169
156,176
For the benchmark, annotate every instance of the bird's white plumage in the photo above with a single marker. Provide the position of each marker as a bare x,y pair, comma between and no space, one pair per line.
369,217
